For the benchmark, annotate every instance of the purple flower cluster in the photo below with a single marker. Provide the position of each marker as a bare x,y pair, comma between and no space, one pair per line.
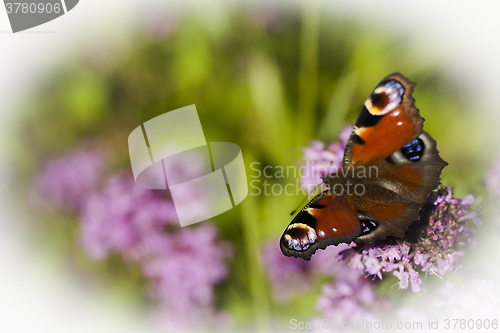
116,216
183,275
66,180
287,276
349,295
432,244
124,218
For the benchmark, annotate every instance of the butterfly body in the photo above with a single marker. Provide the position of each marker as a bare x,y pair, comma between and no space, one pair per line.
389,168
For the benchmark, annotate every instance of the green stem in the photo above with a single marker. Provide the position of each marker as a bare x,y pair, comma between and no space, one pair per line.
308,75
258,286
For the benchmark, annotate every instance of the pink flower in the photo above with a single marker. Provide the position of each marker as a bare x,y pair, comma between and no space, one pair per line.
287,276
437,250
182,265
322,160
441,234
126,219
349,295
117,217
68,179
184,274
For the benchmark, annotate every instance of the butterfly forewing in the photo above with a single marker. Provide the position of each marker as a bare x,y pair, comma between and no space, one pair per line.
388,121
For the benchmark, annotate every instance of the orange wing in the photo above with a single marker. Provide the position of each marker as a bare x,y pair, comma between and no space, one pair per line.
389,136
326,220
387,122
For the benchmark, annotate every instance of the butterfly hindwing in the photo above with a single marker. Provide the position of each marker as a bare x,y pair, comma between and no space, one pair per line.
410,174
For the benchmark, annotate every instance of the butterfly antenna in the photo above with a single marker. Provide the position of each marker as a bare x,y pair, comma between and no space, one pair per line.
307,198
299,205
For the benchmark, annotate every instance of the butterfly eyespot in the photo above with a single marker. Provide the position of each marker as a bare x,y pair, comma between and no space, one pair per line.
394,88
385,98
367,226
414,150
379,100
300,237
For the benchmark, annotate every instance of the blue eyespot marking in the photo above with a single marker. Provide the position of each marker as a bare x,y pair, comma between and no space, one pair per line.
393,86
414,150
367,226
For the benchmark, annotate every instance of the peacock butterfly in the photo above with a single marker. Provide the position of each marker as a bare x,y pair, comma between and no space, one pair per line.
393,164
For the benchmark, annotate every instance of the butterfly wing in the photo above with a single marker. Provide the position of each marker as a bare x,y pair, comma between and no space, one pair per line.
325,220
408,175
388,136
386,123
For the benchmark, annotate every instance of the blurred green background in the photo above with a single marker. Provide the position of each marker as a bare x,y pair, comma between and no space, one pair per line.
267,82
